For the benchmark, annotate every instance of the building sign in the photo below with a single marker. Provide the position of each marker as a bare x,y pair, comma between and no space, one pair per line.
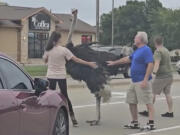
39,21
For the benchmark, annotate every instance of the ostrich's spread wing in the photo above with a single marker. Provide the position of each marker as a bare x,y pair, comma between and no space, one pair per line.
94,78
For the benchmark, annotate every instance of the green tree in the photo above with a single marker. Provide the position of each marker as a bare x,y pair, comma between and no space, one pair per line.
167,23
149,16
152,9
106,22
128,20
153,5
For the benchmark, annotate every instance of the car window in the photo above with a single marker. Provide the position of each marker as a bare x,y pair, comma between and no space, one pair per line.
1,85
116,52
14,77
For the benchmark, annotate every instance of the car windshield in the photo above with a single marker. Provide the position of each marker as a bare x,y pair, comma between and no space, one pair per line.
116,51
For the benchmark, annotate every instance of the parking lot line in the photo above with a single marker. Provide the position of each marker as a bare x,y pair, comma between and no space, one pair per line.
158,130
114,103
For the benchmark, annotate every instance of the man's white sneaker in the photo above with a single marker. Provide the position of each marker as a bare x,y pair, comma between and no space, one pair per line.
148,127
133,125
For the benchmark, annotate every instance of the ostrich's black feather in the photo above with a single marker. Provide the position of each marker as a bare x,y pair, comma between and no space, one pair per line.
94,78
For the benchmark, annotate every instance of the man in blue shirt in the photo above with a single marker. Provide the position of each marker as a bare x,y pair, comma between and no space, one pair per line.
141,88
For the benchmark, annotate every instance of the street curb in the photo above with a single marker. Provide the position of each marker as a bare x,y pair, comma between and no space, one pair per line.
83,85
113,82
128,82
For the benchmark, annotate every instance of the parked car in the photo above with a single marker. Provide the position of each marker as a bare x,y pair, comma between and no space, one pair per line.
178,67
119,51
27,107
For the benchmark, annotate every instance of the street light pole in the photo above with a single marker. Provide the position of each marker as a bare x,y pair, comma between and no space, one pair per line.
97,20
112,38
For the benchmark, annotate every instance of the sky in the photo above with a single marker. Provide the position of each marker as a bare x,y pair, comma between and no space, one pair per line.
87,8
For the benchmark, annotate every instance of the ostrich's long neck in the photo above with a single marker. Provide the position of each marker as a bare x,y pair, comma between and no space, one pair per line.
71,30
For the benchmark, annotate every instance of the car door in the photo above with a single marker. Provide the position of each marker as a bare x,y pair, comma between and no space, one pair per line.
34,111
9,114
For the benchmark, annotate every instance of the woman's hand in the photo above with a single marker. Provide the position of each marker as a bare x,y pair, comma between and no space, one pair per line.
110,63
93,64
80,61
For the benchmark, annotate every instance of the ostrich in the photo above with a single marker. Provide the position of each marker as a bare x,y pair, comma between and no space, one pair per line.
96,79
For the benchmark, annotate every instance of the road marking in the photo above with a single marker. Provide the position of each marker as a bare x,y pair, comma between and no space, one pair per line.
118,94
158,130
114,103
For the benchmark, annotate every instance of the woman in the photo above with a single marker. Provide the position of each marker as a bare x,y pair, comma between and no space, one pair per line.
55,56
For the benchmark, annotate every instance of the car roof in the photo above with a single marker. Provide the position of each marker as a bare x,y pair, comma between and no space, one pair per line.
3,55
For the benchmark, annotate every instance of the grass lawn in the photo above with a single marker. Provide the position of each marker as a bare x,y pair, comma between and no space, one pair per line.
36,70
42,70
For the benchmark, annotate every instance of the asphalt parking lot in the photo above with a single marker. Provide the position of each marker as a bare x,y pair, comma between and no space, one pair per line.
115,114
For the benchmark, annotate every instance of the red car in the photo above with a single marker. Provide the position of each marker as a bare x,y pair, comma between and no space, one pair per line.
27,107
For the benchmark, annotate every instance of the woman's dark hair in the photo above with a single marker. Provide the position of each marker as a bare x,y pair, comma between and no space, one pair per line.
55,36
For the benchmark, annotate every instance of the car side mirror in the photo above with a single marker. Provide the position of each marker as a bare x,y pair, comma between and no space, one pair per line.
40,85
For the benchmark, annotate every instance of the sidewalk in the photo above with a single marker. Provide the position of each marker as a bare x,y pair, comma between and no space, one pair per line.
115,82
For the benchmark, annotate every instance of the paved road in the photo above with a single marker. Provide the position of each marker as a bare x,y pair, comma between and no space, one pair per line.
116,113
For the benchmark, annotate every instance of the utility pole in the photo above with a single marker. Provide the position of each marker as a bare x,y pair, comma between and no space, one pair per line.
112,38
97,20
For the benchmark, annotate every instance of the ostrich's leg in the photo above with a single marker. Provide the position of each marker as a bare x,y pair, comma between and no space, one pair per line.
98,108
98,112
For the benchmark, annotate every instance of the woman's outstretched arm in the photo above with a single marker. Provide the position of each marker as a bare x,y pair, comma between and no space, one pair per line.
80,61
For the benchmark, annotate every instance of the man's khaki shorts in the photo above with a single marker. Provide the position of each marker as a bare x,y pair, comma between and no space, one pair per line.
136,94
162,85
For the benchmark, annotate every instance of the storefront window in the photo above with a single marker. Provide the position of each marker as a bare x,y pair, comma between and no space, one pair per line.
85,39
36,44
